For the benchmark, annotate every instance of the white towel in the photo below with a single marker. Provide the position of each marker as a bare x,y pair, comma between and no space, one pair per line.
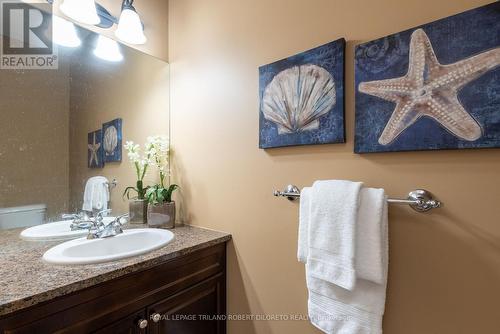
359,310
96,194
330,222
371,238
304,216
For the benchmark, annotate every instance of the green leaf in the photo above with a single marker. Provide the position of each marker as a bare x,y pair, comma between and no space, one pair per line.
142,193
159,195
127,190
169,192
150,191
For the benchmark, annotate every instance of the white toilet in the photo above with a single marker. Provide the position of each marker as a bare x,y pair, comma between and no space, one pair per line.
22,216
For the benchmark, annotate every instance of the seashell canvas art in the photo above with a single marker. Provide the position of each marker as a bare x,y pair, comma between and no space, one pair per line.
302,98
112,140
433,87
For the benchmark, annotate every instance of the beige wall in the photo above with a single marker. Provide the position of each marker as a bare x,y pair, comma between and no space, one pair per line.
136,90
445,266
153,14
34,150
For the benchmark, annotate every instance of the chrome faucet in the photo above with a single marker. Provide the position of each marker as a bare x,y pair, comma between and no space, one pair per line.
99,217
80,221
100,231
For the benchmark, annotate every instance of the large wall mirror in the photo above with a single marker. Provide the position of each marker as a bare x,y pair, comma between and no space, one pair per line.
50,116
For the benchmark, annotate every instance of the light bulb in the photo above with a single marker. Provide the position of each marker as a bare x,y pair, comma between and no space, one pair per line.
64,33
130,28
83,11
108,49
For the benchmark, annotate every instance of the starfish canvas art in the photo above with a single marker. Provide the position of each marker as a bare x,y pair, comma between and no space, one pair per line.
95,149
448,95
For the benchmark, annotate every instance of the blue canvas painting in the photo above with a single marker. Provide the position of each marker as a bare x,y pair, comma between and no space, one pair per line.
95,149
302,98
433,87
112,140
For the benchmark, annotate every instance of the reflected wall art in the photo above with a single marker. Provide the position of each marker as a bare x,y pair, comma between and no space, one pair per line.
112,140
95,150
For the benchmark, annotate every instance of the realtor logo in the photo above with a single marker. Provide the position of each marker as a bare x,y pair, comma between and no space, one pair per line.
27,35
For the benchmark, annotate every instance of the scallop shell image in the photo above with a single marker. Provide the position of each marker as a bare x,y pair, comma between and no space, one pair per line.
297,97
110,140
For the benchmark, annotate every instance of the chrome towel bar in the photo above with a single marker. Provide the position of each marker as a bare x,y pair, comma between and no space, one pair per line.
419,200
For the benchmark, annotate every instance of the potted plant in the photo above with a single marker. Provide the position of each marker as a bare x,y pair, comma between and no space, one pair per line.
138,205
161,207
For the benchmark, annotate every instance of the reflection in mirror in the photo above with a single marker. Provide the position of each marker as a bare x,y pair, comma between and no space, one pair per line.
51,119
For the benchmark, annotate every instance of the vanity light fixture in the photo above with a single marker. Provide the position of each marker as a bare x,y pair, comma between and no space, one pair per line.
108,49
83,11
130,29
64,33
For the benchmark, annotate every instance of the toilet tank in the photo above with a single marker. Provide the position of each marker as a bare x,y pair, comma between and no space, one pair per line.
22,216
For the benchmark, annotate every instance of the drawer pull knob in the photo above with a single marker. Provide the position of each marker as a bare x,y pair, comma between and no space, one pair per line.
156,317
143,323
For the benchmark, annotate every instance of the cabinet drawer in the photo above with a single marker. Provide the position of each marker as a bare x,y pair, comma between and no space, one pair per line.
127,325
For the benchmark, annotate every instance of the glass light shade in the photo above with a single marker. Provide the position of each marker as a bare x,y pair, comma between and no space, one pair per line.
108,49
130,28
64,33
83,11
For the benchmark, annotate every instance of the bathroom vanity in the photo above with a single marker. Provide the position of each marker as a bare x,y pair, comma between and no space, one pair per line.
64,126
160,292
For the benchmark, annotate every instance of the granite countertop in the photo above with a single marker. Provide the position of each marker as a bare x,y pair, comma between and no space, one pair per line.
26,280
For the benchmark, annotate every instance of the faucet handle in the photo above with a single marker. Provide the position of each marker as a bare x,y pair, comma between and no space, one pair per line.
119,218
80,215
116,225
99,217
69,216
103,212
78,220
99,230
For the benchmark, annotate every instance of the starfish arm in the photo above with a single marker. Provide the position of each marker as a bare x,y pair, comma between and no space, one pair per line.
462,72
391,89
402,117
430,56
447,110
417,57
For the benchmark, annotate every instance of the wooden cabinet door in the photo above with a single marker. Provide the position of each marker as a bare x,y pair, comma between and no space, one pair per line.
127,325
196,310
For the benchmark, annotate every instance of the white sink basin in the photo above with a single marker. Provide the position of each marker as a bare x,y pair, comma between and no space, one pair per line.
130,243
55,231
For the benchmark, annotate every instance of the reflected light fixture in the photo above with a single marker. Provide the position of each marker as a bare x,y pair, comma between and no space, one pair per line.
130,29
64,33
83,11
108,49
